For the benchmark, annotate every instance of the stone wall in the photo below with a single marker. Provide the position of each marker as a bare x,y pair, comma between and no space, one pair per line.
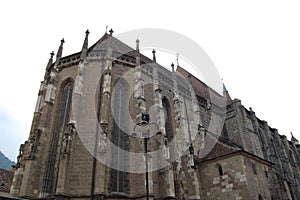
237,180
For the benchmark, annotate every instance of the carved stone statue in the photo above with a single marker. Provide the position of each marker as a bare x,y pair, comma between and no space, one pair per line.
102,143
32,140
67,138
51,88
106,83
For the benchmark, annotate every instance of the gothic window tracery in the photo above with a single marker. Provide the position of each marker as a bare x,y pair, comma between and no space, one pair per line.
61,119
120,135
168,120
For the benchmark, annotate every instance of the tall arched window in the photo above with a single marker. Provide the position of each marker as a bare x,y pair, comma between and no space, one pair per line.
120,135
62,117
168,122
65,100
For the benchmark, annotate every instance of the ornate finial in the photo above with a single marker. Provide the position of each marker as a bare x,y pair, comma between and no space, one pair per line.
224,89
251,110
227,96
137,53
154,57
59,51
111,31
137,45
84,46
50,60
172,65
293,139
85,43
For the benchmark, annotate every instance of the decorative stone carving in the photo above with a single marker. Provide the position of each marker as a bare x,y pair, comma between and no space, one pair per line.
166,149
102,143
67,138
51,88
33,142
78,89
39,103
106,83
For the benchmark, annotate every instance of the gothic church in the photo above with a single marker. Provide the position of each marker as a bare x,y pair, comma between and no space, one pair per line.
145,132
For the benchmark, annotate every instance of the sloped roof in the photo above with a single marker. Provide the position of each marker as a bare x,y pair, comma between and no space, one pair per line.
6,178
221,146
109,41
200,88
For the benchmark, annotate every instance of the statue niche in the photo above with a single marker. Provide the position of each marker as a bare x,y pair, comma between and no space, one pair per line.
67,139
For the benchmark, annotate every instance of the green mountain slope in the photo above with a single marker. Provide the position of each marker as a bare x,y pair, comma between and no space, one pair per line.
5,163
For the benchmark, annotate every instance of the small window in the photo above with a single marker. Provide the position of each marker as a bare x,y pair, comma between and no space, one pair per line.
220,170
266,174
260,197
254,168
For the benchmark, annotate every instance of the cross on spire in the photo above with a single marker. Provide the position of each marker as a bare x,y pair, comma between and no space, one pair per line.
111,31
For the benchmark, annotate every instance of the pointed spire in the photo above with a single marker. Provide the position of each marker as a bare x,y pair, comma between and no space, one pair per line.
224,88
60,49
177,60
50,60
154,57
85,45
138,45
59,53
172,65
226,94
86,39
293,139
137,54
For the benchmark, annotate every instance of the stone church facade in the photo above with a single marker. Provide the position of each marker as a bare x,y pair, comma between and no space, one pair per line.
203,145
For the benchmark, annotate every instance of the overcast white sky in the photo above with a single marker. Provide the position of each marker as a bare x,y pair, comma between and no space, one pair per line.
255,45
